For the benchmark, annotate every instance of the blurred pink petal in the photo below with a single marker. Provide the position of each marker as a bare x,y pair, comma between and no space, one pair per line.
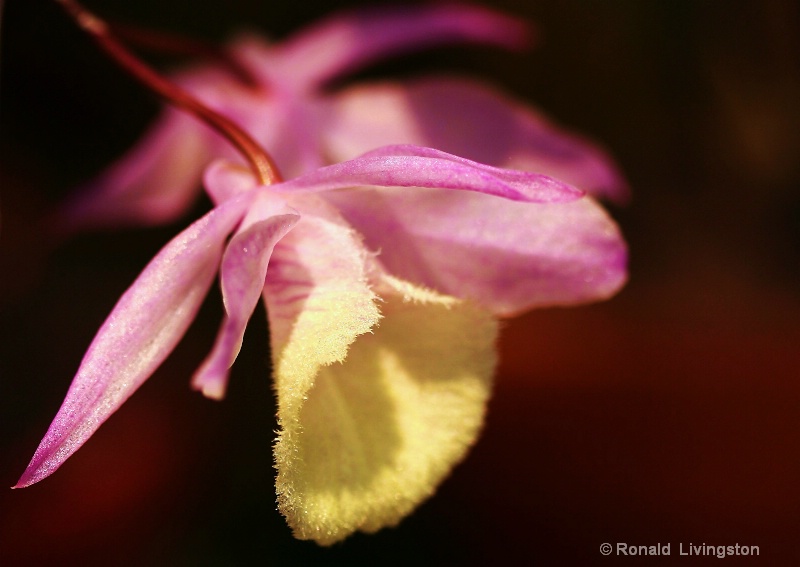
286,112
347,42
150,185
469,119
159,179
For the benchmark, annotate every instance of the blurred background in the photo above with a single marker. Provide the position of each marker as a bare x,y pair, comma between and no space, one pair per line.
666,415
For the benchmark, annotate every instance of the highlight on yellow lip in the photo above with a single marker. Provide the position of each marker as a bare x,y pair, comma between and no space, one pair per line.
366,439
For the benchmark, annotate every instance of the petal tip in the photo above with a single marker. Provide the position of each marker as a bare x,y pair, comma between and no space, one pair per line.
212,387
32,475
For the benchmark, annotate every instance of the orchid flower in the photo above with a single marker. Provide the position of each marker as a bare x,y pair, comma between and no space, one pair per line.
291,111
382,277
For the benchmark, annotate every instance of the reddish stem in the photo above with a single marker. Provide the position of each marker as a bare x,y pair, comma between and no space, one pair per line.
169,43
260,161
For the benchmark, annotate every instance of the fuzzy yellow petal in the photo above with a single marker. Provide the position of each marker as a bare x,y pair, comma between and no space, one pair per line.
318,301
375,434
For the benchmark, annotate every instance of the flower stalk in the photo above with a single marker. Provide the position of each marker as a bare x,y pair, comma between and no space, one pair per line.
161,42
259,160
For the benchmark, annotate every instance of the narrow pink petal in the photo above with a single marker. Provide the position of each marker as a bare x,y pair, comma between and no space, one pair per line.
352,40
413,166
244,267
511,176
469,119
506,255
142,329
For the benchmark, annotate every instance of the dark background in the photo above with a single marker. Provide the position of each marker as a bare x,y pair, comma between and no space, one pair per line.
670,414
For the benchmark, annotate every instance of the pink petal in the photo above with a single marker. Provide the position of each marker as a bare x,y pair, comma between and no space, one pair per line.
141,331
353,40
154,183
159,179
244,267
224,180
508,256
469,119
412,166
317,295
